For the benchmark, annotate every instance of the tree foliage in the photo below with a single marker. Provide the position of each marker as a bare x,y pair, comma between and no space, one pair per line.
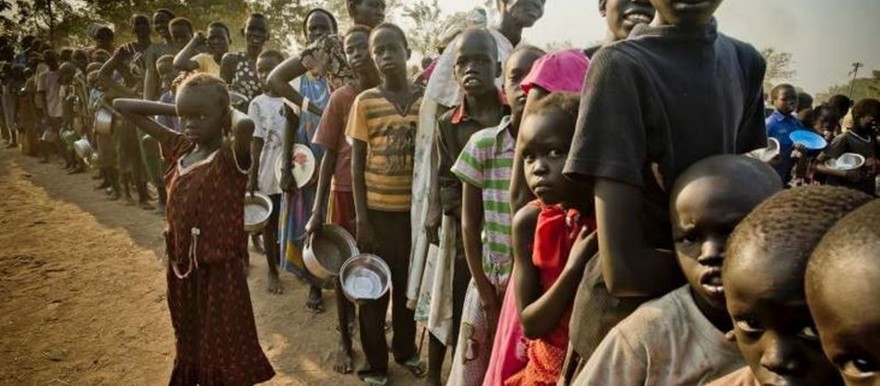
779,66
71,18
867,87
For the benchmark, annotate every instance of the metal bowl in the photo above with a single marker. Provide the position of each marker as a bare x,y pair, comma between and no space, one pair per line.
846,162
83,148
103,121
365,277
768,153
257,210
326,250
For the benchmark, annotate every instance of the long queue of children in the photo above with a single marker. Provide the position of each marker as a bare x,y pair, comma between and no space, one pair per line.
582,217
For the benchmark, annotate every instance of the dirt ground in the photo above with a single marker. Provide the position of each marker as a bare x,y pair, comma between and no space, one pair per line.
83,293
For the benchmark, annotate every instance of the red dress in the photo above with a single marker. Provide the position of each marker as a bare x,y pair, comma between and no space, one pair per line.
555,233
211,312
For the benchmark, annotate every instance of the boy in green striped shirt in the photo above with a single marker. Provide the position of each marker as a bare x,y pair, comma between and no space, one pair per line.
484,167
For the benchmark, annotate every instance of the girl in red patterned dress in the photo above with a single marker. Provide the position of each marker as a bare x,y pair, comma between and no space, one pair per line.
553,239
208,298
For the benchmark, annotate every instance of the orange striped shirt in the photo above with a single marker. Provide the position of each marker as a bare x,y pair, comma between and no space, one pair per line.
390,138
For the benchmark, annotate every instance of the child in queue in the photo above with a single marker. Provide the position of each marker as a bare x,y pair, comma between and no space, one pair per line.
673,93
269,124
678,339
485,168
382,126
205,240
859,139
476,67
842,291
553,238
764,286
335,179
780,124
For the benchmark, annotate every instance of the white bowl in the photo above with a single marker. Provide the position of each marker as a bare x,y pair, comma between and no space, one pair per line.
846,162
768,153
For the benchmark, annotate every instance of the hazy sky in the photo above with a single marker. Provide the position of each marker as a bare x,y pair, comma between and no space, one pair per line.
825,36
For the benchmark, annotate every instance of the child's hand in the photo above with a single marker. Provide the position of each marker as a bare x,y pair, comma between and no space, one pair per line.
314,224
365,240
432,224
492,307
252,184
584,248
288,185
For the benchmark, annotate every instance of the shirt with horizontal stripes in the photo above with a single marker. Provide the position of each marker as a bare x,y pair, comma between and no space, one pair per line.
486,163
390,138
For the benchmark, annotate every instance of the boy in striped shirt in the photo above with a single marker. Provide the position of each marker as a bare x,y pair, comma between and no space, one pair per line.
382,127
484,167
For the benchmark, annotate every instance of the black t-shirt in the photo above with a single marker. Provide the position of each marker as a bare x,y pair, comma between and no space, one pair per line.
589,52
850,142
661,100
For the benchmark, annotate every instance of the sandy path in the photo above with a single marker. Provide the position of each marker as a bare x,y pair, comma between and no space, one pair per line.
83,293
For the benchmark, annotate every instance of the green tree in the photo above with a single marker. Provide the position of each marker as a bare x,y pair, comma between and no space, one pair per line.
429,23
867,87
779,66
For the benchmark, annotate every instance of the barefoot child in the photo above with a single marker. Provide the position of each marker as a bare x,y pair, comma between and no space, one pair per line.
207,289
336,165
49,91
485,170
678,339
382,126
297,203
476,67
129,153
843,275
764,286
266,112
553,239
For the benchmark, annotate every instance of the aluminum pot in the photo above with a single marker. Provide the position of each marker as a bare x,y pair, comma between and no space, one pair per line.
365,277
257,210
326,249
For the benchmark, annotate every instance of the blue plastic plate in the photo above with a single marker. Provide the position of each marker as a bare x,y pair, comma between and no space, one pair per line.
809,139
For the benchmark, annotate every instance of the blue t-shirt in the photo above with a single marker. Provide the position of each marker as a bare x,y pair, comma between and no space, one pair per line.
780,126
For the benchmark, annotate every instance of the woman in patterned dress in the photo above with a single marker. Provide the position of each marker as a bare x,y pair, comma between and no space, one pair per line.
239,69
208,298
324,57
296,207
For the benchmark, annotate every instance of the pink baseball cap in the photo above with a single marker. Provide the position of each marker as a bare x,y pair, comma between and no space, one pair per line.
561,71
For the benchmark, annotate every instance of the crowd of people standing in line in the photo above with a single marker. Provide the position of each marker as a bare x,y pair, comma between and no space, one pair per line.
599,216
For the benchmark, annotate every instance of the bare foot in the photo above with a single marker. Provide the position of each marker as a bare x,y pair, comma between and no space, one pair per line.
275,284
315,303
344,362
